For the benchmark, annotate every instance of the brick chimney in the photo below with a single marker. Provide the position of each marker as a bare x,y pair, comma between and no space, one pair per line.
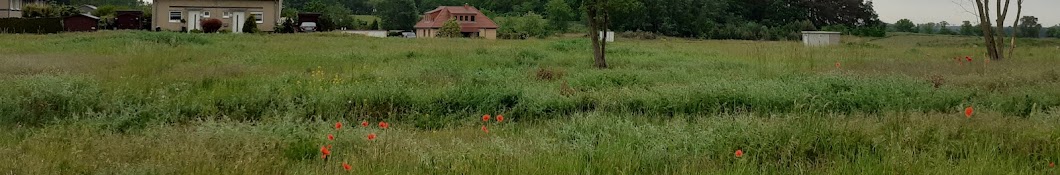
466,6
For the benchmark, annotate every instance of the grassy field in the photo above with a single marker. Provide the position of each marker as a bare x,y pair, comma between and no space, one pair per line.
168,103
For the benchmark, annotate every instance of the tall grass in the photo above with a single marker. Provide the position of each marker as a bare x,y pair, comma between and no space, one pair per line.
173,77
169,103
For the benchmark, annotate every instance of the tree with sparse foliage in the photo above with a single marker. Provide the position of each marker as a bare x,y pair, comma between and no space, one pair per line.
905,25
451,29
251,26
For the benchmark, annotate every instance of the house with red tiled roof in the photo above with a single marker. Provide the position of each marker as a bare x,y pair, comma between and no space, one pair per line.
472,22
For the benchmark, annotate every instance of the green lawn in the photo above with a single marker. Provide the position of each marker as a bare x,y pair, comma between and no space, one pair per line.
169,103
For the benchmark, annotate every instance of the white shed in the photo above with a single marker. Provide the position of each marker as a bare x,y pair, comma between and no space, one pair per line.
820,38
610,36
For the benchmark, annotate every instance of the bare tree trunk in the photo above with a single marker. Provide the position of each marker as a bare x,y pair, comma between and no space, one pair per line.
1002,13
594,11
1015,29
984,24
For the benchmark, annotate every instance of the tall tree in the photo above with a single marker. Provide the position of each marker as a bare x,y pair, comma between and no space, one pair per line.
1053,31
397,14
968,29
559,13
905,25
1029,27
944,28
927,28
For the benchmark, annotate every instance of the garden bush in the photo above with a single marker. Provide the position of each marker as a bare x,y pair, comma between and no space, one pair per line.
31,25
211,25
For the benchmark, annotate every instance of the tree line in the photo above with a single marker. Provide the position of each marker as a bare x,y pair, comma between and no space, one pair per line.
707,19
1027,28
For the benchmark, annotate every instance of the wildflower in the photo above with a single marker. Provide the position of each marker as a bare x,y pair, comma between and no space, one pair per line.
384,125
968,112
364,123
1052,164
371,136
500,118
486,118
331,137
837,65
324,151
487,131
739,153
346,166
968,58
338,125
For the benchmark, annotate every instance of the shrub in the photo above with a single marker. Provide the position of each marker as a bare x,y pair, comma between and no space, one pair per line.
31,25
211,25
250,26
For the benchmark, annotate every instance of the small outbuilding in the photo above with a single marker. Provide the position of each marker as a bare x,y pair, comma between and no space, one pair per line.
81,23
129,20
820,38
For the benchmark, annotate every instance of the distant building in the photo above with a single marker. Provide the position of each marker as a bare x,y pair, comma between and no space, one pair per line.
87,9
13,8
820,38
81,23
176,15
131,20
472,22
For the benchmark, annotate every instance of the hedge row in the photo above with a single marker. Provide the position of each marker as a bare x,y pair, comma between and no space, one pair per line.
31,25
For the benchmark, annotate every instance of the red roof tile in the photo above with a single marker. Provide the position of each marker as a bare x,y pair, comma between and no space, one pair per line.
437,17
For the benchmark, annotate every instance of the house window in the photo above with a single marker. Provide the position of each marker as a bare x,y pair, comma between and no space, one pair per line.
472,18
16,4
205,14
175,16
226,14
259,16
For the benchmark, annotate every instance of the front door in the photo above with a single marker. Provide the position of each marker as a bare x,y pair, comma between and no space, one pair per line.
238,20
193,20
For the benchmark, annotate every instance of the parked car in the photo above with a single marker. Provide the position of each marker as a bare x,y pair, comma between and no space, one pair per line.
308,27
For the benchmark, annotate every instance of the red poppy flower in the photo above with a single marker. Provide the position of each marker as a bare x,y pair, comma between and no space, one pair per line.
384,125
500,118
324,150
486,118
371,136
837,65
968,112
331,137
1052,164
487,131
739,153
346,166
338,125
968,58
364,123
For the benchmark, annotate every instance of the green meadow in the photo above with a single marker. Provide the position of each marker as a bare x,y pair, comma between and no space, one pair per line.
123,102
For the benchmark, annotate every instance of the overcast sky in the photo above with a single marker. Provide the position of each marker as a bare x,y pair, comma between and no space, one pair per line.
923,11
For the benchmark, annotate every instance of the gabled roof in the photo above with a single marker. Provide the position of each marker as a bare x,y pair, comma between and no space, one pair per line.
85,15
437,17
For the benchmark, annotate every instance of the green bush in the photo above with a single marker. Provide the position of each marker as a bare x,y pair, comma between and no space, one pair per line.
250,26
31,25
